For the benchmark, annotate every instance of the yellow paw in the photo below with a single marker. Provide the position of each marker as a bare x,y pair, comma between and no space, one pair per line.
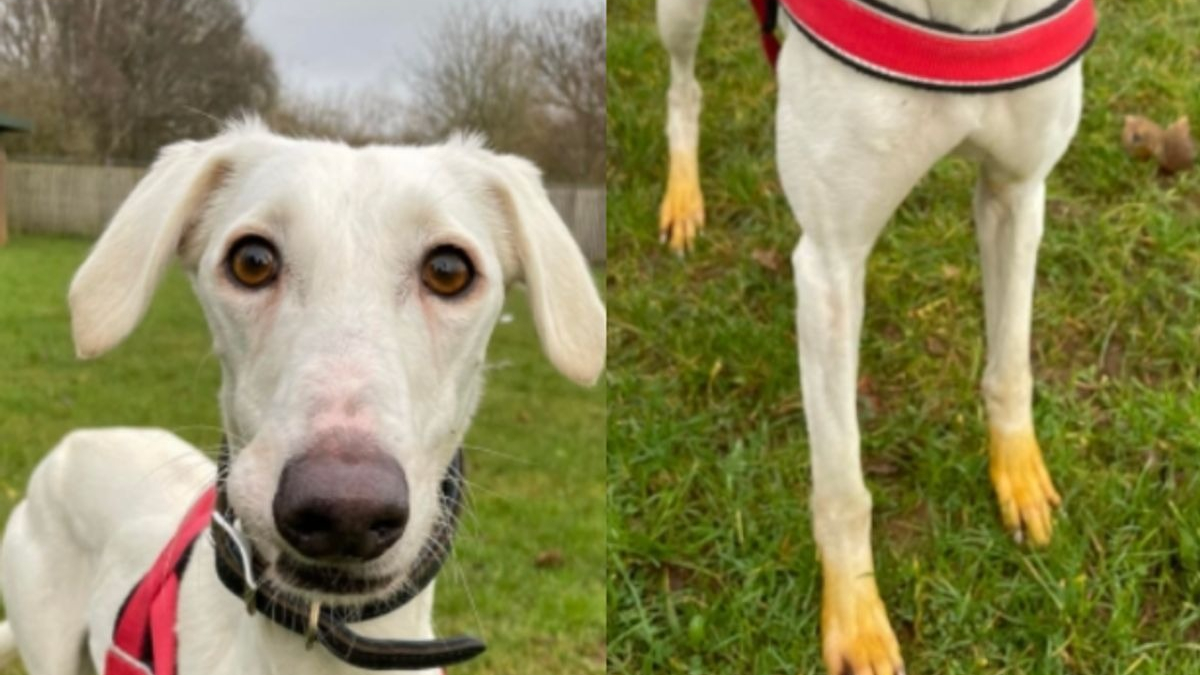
1023,486
856,638
681,215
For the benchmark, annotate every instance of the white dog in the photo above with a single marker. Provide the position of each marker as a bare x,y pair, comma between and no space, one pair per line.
850,145
351,294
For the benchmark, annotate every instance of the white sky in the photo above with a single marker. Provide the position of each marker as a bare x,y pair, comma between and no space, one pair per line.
322,45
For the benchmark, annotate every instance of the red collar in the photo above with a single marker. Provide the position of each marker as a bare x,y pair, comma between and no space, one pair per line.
880,40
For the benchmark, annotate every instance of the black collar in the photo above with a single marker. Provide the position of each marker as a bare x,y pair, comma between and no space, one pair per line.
327,625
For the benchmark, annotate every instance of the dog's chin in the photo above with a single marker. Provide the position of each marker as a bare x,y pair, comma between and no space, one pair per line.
331,582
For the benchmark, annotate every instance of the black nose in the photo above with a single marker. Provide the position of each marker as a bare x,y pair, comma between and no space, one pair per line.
341,504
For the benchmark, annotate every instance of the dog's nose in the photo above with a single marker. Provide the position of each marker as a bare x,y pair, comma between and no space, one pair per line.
341,505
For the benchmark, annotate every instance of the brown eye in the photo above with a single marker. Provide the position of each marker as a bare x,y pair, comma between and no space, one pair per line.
253,262
447,271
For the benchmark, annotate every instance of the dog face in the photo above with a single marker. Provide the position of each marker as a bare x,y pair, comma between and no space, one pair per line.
351,294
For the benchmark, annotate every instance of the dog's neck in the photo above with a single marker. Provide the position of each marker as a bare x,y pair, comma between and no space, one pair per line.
972,14
217,636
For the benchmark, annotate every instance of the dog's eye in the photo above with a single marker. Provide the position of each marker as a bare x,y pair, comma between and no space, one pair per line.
447,271
253,262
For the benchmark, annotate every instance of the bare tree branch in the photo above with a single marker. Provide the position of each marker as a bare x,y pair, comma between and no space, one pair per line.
534,87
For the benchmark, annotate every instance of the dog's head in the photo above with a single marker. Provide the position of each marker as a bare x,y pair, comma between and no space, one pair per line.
351,294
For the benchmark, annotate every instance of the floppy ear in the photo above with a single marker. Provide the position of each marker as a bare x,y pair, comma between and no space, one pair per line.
113,287
567,310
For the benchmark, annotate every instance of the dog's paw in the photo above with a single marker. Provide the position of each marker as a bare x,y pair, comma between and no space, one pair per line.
681,216
856,638
1023,487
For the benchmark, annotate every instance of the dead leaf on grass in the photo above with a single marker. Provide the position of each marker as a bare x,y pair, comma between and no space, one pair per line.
548,559
768,258
936,346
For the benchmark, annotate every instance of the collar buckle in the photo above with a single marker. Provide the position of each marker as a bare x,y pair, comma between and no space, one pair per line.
314,621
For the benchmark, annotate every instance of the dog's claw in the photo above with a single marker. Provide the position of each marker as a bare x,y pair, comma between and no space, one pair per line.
681,215
1023,487
856,638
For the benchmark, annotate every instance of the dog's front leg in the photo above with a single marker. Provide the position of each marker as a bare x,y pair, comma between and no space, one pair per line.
682,212
856,636
1008,217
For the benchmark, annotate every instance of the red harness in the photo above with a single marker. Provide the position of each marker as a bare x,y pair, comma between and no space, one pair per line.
880,40
144,634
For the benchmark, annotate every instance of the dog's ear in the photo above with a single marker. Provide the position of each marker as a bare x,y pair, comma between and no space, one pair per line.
566,307
113,287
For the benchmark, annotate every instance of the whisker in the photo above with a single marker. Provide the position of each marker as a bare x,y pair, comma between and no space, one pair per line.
497,453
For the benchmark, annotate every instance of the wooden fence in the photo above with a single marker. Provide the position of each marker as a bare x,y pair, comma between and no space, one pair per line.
79,199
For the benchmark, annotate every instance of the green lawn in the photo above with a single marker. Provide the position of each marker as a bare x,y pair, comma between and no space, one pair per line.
711,564
535,460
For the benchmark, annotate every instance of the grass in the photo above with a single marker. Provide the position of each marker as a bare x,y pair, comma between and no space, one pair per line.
711,564
535,460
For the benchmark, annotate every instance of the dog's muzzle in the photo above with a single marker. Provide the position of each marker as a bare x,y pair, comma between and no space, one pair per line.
242,571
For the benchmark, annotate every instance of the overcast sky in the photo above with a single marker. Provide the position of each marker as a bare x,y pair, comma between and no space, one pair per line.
325,44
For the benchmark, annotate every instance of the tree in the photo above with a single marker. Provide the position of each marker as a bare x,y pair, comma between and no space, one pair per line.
532,87
476,76
567,51
135,74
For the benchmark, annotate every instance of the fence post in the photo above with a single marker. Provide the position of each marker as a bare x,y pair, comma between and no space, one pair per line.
3,203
